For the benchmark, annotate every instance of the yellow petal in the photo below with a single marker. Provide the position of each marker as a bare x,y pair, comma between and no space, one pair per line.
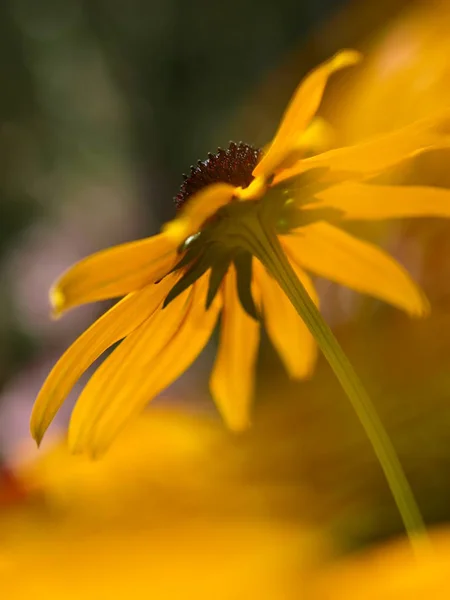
378,153
301,110
318,137
361,201
288,333
338,256
233,375
144,364
114,272
114,325
197,210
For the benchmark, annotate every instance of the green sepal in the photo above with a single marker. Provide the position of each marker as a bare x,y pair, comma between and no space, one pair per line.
197,269
192,252
293,217
218,272
243,264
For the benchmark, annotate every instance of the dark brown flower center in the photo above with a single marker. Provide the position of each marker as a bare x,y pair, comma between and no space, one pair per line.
233,165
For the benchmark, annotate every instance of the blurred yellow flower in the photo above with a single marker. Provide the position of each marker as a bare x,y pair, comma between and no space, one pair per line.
407,58
390,572
159,517
208,262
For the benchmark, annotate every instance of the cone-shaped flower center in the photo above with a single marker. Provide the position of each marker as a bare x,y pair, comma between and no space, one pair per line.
233,165
228,235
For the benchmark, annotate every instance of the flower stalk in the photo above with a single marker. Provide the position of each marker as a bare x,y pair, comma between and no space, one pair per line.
264,245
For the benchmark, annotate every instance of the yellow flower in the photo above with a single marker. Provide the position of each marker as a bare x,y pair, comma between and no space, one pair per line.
158,517
209,261
388,572
407,58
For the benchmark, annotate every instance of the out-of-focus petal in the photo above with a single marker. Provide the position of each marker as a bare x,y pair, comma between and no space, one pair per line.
289,334
380,152
301,110
362,201
114,272
114,325
318,137
144,364
338,256
197,210
232,378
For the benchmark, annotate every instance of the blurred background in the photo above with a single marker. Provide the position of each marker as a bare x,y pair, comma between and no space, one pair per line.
104,105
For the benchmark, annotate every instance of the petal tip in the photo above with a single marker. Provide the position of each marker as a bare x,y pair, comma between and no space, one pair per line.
176,231
37,433
75,447
346,58
423,311
421,308
302,373
81,444
90,451
96,454
57,301
73,442
238,425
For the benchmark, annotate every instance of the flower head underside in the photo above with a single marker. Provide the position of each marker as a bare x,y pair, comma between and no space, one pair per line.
207,263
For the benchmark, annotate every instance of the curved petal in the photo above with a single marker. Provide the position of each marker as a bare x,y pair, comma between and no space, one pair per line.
197,210
338,256
233,375
114,272
301,110
114,325
144,364
378,153
287,331
361,201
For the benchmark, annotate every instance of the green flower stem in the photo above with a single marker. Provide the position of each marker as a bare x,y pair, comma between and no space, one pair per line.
266,247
